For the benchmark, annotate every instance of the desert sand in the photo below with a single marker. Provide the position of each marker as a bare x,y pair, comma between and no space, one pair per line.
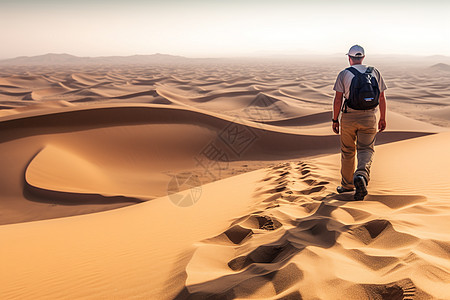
217,179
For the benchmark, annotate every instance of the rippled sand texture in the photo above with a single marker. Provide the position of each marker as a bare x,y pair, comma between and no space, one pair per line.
217,179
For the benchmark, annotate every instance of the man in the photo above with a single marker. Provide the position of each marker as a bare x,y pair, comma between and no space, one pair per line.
358,126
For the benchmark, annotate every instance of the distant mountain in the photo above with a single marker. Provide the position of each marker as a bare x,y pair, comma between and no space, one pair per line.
67,59
440,67
158,58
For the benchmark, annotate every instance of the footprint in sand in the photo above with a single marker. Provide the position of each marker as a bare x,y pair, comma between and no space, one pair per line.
399,290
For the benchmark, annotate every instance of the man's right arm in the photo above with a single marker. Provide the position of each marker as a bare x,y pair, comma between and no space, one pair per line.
382,122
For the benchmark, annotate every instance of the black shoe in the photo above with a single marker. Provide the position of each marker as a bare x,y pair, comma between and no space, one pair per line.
360,184
341,190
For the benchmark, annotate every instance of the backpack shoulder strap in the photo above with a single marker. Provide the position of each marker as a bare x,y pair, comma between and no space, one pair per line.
353,70
369,70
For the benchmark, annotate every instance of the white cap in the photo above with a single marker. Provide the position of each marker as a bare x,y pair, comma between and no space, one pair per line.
356,51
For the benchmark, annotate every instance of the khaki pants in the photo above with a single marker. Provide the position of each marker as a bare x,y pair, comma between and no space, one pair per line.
358,131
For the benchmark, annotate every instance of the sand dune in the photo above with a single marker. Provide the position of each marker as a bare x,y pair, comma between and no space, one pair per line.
291,236
440,67
216,180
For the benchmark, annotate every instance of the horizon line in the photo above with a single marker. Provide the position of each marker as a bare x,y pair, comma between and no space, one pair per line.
240,56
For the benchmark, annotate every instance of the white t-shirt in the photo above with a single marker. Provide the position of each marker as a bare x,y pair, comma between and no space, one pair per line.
345,77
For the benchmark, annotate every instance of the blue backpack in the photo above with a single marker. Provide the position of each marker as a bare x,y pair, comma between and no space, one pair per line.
364,90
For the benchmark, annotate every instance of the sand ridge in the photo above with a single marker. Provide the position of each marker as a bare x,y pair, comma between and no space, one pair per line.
135,149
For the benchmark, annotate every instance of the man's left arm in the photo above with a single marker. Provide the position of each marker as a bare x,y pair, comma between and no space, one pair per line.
337,103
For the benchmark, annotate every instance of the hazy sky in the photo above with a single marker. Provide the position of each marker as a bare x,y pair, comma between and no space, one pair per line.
212,28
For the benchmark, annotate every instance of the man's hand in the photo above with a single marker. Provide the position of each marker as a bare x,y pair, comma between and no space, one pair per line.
336,127
381,125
